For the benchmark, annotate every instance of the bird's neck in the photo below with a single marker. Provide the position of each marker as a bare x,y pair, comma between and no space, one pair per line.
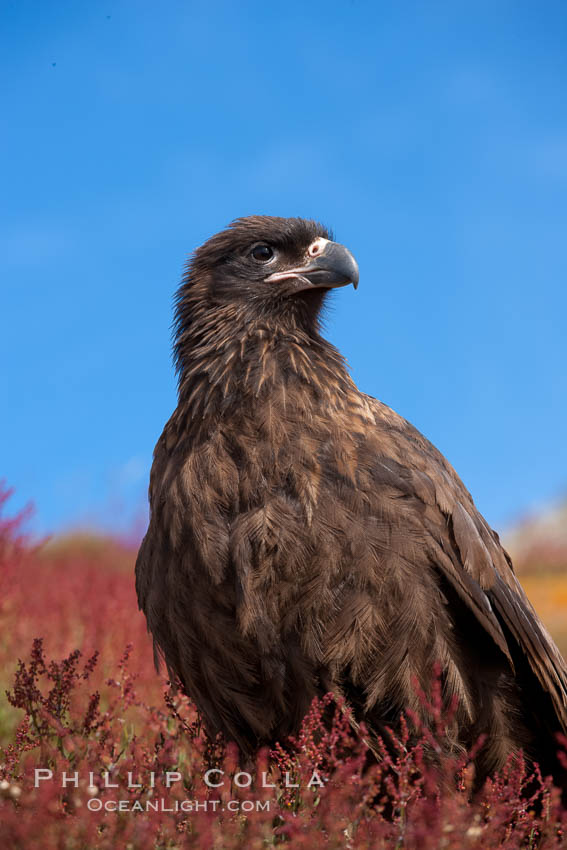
231,359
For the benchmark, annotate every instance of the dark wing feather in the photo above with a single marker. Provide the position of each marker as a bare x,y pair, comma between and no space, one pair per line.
470,557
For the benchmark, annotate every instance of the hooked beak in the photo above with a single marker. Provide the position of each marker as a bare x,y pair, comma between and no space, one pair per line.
334,266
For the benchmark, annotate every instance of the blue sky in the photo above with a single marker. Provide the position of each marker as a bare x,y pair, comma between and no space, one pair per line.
431,136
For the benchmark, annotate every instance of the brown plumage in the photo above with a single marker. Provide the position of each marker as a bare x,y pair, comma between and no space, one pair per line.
305,538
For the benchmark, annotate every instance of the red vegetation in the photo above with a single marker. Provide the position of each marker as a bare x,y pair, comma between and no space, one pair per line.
85,700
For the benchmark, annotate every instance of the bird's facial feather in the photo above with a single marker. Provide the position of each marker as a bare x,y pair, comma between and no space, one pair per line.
263,258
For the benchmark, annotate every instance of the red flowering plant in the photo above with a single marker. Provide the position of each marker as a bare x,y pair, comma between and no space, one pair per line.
99,752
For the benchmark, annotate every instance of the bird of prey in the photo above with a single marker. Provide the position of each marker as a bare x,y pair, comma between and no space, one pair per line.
305,538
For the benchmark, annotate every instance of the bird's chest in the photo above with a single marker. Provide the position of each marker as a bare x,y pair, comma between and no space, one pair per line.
266,505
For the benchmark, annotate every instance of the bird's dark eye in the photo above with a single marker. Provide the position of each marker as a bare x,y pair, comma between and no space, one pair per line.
262,253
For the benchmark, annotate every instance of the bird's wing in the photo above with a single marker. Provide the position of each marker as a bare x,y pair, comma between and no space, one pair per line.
464,548
153,573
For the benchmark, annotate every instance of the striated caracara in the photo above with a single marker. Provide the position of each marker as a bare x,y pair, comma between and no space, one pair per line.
304,538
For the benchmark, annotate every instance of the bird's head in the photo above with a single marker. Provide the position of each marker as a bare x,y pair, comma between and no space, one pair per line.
266,261
262,274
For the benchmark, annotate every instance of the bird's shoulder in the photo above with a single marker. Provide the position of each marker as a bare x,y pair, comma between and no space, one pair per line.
399,456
